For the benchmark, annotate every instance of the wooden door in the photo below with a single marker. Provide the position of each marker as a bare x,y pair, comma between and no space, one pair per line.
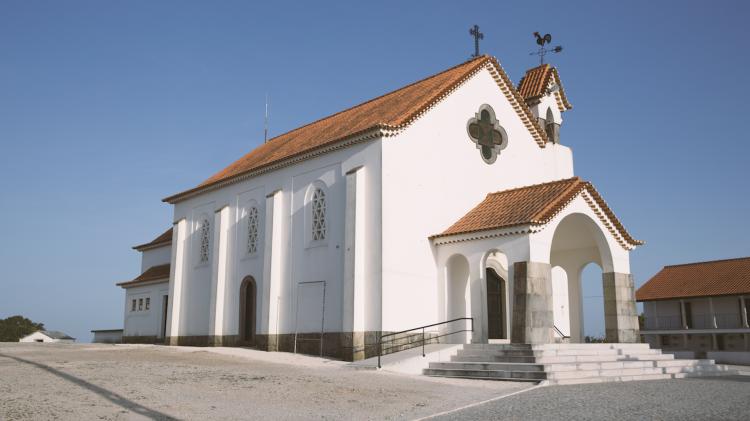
495,305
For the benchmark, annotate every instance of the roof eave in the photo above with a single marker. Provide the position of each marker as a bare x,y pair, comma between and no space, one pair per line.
131,284
370,134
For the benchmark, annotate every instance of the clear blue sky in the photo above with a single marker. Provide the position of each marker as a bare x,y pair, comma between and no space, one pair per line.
107,107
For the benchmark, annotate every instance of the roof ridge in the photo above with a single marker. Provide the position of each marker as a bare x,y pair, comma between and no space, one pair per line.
546,183
574,188
479,59
707,261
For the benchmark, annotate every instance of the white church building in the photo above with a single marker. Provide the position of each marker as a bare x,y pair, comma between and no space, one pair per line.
450,198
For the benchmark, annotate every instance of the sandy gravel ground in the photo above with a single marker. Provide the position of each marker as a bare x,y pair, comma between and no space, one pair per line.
129,382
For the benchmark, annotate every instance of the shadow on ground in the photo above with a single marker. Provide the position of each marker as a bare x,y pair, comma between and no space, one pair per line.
109,395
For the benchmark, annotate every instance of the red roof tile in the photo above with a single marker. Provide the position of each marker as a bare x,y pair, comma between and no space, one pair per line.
535,82
163,239
702,279
154,273
390,112
531,205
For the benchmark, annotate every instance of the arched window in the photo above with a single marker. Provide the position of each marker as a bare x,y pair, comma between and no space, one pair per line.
318,209
252,230
551,127
205,237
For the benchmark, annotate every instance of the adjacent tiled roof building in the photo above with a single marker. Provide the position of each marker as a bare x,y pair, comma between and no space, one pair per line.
702,279
154,273
163,239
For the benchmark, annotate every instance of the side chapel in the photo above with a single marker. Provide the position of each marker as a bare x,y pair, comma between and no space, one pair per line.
453,197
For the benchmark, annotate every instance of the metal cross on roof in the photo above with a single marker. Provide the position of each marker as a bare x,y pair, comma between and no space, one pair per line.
477,36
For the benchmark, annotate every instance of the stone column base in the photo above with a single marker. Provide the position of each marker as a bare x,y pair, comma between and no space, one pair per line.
620,313
533,317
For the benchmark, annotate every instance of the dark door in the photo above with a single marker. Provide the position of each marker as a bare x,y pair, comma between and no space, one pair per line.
495,305
164,307
247,311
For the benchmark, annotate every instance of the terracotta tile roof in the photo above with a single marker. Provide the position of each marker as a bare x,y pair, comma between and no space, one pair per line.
383,115
154,273
718,277
534,205
534,85
163,239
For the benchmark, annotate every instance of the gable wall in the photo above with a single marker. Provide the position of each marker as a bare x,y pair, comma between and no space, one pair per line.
432,175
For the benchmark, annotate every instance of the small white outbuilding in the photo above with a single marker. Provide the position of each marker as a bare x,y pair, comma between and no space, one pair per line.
47,336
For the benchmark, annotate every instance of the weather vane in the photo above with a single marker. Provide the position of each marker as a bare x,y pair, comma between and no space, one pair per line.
477,36
541,41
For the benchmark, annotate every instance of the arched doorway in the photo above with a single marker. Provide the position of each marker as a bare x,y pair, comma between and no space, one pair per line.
247,310
496,295
577,242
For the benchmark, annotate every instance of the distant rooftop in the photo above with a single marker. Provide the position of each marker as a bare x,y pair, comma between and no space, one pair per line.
700,279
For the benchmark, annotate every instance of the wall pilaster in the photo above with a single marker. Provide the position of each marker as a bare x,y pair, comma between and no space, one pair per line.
176,278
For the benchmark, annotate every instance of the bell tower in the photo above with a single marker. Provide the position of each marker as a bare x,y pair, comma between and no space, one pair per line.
542,90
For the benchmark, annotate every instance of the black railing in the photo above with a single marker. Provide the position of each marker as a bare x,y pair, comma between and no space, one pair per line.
422,340
562,335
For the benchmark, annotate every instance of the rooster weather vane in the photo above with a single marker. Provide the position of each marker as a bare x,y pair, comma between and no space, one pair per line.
542,41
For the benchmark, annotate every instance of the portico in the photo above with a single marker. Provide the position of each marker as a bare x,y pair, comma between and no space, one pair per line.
514,262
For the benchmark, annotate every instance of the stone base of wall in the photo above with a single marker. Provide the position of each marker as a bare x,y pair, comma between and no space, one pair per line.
142,340
347,346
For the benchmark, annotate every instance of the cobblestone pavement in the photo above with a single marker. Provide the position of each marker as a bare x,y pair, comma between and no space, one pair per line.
726,398
125,382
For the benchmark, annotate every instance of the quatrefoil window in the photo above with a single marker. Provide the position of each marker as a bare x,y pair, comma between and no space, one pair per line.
487,134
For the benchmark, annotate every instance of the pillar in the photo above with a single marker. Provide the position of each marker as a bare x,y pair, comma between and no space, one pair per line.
176,278
711,314
683,315
353,328
743,310
620,314
218,276
533,315
270,298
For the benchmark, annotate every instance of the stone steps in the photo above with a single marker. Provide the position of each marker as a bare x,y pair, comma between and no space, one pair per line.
569,363
513,375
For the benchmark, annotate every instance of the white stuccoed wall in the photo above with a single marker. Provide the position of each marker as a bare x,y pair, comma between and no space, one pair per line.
432,175
155,257
145,323
299,261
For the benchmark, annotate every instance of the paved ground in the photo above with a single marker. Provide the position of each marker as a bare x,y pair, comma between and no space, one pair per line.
123,382
688,399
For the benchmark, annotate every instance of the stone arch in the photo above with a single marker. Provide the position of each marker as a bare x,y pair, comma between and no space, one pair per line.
248,310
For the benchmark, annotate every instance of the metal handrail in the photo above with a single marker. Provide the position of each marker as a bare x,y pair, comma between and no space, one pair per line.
422,328
562,335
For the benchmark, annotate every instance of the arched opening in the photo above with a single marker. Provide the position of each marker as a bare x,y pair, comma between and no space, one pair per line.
458,294
247,310
592,293
560,302
577,242
551,127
